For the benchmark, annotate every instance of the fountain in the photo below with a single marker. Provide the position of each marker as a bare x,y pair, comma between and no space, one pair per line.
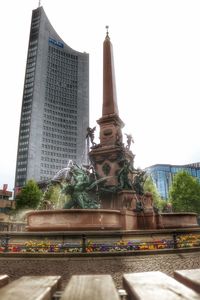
104,196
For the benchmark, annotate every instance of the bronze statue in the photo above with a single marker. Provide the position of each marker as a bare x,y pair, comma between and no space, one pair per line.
129,140
80,189
138,181
90,135
123,176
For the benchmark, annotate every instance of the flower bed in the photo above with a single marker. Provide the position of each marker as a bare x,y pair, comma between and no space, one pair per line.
34,246
188,240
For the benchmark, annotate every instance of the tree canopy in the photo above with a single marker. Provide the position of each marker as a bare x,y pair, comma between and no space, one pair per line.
29,196
149,186
184,193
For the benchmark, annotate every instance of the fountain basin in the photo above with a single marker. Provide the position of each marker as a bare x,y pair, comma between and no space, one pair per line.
79,219
106,219
178,220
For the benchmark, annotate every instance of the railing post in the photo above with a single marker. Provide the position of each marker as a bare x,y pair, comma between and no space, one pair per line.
175,240
5,243
83,243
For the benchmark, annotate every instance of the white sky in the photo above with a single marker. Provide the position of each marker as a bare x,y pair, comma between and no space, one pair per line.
157,65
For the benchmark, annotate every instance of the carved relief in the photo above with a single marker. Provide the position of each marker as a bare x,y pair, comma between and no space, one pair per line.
106,169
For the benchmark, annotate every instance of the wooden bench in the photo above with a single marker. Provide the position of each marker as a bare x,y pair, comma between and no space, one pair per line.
31,288
191,278
90,287
137,286
4,279
156,286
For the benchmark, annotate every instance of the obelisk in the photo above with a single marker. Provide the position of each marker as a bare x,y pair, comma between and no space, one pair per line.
109,155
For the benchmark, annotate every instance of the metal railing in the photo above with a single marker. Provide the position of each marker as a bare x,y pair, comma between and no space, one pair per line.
85,245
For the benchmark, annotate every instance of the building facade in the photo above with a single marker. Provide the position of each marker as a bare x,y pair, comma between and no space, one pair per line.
55,104
6,205
163,174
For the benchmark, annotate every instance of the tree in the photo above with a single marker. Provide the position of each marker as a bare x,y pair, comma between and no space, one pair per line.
184,193
149,186
54,196
29,196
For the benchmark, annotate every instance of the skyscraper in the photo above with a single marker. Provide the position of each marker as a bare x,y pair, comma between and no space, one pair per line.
55,104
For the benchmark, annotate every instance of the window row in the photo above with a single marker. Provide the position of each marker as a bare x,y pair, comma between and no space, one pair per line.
57,119
19,170
57,107
23,149
50,166
62,53
63,103
33,43
59,130
65,115
22,177
26,113
58,142
62,149
21,163
65,63
24,131
61,125
25,124
55,160
71,99
58,154
59,137
42,171
68,88
28,91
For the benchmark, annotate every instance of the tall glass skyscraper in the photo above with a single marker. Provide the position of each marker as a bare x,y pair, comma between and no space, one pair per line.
163,174
55,105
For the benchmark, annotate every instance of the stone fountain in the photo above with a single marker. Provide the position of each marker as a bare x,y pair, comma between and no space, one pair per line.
118,206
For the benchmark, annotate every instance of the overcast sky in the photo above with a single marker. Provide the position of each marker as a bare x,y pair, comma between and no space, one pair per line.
157,66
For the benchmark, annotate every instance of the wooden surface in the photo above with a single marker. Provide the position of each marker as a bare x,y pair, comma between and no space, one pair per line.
156,285
90,287
191,278
4,279
30,288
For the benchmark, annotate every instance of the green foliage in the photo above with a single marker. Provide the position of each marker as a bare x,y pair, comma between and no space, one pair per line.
29,196
185,193
54,196
149,186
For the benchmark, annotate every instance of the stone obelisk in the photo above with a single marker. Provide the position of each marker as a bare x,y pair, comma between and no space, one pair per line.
109,155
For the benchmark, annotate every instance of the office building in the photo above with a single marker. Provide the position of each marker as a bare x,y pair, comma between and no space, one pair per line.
162,175
55,104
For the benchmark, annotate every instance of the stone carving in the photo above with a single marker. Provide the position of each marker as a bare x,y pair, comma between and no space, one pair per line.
106,168
147,201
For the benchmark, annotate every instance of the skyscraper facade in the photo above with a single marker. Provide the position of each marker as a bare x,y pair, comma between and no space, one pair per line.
163,174
55,105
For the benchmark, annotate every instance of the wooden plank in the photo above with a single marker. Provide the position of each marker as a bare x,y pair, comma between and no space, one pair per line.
4,279
191,278
31,288
90,287
156,286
